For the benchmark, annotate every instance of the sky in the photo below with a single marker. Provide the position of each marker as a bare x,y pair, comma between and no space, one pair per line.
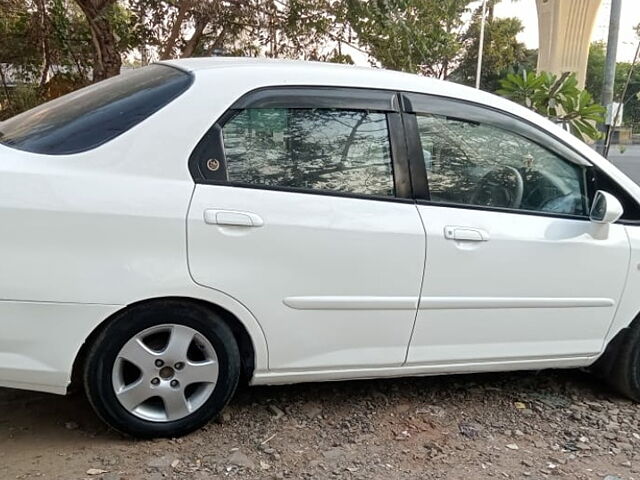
525,10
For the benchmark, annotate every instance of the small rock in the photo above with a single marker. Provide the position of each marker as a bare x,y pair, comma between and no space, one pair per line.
512,446
239,459
611,477
519,405
624,446
175,463
264,465
594,406
468,430
96,471
111,476
311,410
333,453
277,412
160,462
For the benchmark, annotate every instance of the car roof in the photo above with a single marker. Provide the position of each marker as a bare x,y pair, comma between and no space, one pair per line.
335,74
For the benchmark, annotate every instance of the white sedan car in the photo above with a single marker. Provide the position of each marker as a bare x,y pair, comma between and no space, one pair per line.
170,231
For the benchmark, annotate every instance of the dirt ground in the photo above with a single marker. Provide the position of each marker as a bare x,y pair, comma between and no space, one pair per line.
516,425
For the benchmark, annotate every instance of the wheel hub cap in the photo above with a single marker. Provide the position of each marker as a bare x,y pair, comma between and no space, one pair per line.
165,373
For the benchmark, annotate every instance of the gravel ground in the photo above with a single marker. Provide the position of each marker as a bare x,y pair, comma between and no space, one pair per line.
514,425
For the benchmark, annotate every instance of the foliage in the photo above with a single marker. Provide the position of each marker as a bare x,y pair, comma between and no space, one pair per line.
50,47
595,79
502,52
419,36
306,29
559,99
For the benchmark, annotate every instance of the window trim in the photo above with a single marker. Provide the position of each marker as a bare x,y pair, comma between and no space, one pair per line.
211,145
413,104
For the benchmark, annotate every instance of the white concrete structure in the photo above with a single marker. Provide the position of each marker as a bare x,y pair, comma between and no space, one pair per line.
565,28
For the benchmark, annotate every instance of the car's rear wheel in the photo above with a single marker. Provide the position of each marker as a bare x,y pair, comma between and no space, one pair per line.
162,370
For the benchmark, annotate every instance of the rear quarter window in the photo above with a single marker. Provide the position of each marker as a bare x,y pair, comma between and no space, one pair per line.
94,115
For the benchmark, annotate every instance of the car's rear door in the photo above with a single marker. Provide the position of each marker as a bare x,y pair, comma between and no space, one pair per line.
515,271
302,211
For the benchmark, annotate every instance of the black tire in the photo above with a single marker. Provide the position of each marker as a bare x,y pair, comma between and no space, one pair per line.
103,352
619,366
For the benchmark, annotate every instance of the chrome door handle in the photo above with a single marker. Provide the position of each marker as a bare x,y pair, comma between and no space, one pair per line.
465,234
232,217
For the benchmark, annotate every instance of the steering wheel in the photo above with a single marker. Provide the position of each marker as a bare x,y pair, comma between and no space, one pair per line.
500,187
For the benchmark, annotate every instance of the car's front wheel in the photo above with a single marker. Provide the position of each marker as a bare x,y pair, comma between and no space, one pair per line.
162,370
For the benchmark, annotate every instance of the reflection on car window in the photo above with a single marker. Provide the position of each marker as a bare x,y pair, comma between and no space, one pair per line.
314,149
91,116
477,164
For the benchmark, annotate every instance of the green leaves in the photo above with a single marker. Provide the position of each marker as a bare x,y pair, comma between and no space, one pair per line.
417,36
559,99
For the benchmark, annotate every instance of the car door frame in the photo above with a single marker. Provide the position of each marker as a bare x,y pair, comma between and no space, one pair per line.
413,104
210,148
301,96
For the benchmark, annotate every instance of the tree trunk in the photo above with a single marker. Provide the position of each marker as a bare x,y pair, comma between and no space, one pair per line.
217,43
107,60
44,40
176,28
192,43
5,88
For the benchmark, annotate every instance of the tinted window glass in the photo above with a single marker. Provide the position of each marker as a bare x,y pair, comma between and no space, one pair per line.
314,149
477,164
94,115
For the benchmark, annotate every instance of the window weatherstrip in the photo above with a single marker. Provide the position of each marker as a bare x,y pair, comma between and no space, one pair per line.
466,111
319,97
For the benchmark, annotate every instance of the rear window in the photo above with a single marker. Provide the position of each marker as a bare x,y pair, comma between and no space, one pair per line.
96,114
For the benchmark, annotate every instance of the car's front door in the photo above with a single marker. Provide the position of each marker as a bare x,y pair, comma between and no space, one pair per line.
302,212
515,271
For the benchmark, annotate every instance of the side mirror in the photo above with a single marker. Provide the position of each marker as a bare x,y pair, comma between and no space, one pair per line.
606,208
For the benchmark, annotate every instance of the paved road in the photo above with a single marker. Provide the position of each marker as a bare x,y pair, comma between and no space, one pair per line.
628,161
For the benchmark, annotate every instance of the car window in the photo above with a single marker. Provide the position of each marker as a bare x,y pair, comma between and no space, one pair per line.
89,117
471,163
313,149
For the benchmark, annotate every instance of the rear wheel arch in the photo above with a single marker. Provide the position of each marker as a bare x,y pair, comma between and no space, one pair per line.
239,330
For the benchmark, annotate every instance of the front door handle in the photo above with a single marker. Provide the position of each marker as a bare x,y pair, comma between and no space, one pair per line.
232,217
465,234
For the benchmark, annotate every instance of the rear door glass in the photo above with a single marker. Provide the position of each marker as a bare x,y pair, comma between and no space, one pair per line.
94,115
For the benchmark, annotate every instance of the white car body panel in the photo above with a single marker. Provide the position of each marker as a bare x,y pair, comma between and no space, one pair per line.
87,234
317,245
528,308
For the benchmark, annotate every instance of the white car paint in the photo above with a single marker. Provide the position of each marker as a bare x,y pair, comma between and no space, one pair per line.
315,245
87,234
528,307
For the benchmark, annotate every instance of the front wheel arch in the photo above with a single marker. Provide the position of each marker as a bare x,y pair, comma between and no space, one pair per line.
619,365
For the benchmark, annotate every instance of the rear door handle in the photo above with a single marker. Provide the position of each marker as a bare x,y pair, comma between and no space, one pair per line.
465,234
232,217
